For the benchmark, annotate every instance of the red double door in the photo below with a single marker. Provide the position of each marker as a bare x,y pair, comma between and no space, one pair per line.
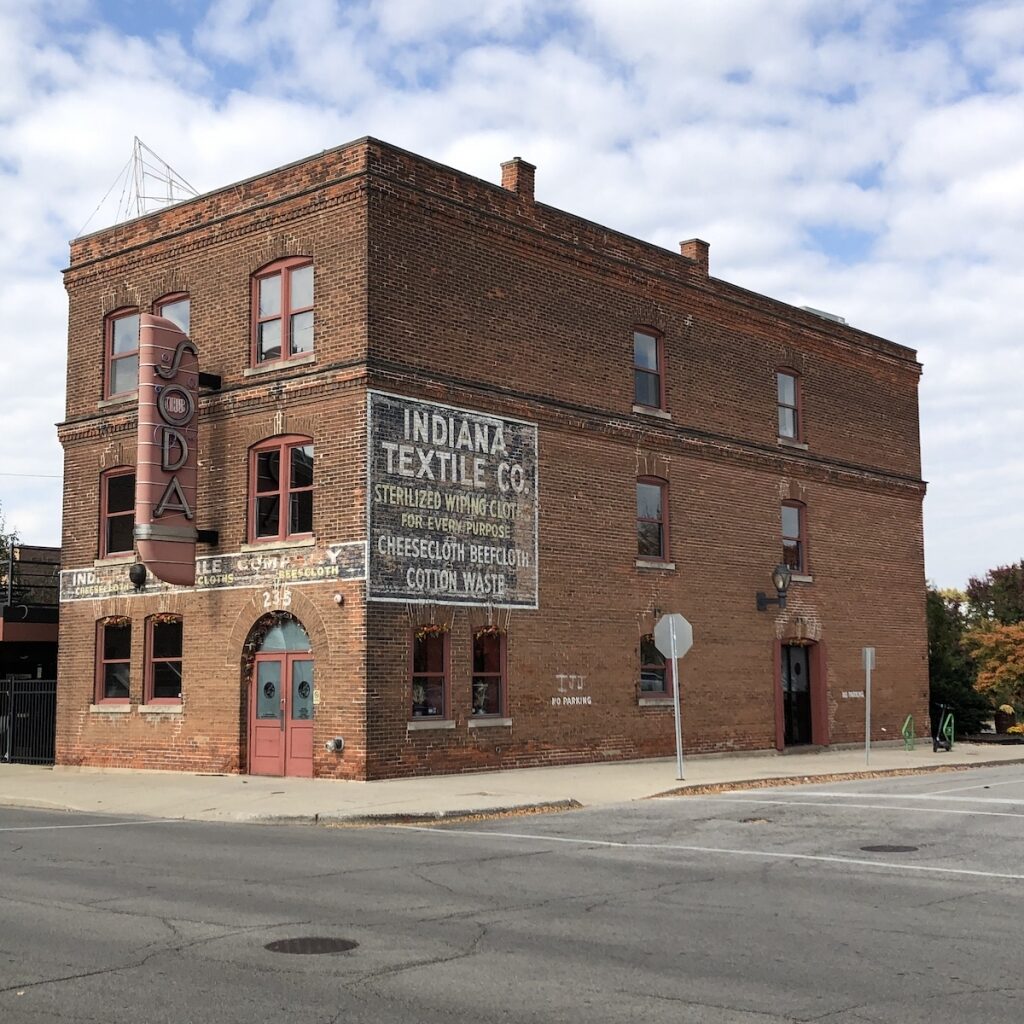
281,714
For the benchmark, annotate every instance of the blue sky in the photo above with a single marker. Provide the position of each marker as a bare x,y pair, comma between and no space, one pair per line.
860,156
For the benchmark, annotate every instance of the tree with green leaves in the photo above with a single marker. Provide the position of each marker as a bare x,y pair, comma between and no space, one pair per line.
951,670
998,596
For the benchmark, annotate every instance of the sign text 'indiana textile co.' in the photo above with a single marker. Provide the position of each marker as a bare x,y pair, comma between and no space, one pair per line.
452,505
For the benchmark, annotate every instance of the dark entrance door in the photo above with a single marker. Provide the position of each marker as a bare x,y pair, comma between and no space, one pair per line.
281,704
796,695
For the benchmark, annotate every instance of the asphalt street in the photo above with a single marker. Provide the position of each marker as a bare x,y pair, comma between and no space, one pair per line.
896,899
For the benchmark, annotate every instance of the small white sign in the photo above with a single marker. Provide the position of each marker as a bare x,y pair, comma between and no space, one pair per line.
853,694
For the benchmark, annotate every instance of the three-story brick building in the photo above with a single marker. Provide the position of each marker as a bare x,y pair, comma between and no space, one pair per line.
465,449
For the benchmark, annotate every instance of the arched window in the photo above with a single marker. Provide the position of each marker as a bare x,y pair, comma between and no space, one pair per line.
176,307
652,519
117,511
648,369
789,398
121,353
282,310
794,536
429,672
489,690
281,489
113,659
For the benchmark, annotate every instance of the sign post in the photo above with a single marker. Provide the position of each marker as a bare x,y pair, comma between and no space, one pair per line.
868,657
673,636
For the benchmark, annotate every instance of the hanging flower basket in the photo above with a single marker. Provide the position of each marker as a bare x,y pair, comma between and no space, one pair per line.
434,629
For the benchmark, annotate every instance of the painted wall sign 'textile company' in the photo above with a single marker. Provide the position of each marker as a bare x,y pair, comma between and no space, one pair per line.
452,505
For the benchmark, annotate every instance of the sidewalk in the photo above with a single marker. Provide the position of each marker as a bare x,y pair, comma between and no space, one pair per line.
261,799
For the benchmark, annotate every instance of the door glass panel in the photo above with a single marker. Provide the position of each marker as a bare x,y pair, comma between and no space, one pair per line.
268,689
302,691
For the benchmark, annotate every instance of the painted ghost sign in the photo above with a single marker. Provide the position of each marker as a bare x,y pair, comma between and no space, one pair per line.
451,505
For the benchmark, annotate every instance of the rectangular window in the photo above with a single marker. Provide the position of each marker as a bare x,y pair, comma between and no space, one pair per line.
655,671
113,660
793,544
177,309
122,362
284,311
118,512
651,526
488,673
789,404
429,672
282,490
163,660
647,370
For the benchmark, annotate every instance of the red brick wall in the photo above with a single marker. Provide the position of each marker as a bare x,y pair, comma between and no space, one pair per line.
435,284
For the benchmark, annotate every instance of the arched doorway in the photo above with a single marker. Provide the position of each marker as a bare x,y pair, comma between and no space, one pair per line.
280,684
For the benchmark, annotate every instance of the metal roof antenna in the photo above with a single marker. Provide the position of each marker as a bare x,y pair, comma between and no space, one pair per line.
154,183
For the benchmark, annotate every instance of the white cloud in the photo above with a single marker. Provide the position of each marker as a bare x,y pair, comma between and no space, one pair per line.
751,123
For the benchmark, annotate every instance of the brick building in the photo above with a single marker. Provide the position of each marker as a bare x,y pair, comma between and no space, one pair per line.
465,449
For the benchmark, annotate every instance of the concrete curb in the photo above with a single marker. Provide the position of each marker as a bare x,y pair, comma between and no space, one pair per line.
699,788
414,818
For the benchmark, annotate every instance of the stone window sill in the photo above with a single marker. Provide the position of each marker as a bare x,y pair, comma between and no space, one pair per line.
788,442
655,702
801,579
126,559
647,410
279,364
113,403
484,721
110,709
275,545
430,723
160,709
643,563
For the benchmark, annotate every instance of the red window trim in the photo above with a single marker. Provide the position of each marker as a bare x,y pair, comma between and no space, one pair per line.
502,675
665,535
150,661
170,299
659,347
798,408
801,539
105,477
669,675
99,696
284,267
285,443
108,351
446,677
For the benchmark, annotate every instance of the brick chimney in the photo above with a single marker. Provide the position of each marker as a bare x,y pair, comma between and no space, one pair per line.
517,176
696,249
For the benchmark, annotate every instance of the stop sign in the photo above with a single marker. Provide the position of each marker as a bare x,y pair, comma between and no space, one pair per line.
673,635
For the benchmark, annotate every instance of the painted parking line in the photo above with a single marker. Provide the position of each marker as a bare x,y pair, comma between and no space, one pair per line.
979,785
864,807
885,796
721,851
98,824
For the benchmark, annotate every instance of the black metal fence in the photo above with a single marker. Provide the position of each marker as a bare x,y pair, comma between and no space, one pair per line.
28,720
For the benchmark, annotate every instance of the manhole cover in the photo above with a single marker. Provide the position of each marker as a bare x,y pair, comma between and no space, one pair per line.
888,848
309,945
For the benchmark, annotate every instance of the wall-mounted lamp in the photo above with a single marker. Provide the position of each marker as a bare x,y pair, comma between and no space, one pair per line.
780,580
339,599
336,744
137,575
